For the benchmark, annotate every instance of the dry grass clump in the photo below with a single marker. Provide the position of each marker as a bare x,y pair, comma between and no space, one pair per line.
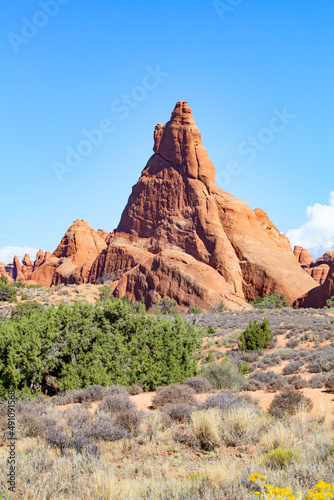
289,402
206,427
175,393
242,425
223,375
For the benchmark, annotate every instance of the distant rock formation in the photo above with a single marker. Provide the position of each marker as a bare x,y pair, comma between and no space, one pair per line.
317,269
182,237
72,259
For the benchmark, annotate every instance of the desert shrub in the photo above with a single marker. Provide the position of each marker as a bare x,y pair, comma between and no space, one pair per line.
178,412
77,417
30,424
243,368
329,384
271,360
317,381
297,382
24,296
240,426
25,310
206,428
19,284
116,403
292,367
271,381
85,344
210,331
218,308
104,293
195,309
95,392
156,422
289,402
175,393
252,385
230,339
293,343
209,358
279,458
70,397
57,438
330,302
106,429
135,389
167,306
7,293
273,301
222,375
4,279
199,384
228,400
256,336
129,420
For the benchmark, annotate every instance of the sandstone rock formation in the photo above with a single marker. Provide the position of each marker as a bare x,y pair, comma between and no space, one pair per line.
318,296
182,237
72,259
317,269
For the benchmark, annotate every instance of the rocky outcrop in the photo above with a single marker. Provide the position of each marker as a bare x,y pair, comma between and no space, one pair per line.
103,234
72,259
278,238
317,269
318,296
182,237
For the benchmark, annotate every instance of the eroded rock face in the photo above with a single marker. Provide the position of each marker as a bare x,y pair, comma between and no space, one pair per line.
182,237
317,269
318,296
72,259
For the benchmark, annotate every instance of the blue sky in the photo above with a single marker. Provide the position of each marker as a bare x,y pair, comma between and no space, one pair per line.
68,64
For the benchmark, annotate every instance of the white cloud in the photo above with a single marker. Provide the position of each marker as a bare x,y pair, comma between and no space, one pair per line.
317,234
7,253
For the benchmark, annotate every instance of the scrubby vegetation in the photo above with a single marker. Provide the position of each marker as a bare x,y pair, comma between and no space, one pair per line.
203,436
256,336
273,301
51,350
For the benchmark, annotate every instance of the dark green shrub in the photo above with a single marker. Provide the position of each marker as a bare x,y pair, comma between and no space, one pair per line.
210,331
273,301
4,279
7,293
85,344
256,336
25,310
243,368
19,284
24,296
330,302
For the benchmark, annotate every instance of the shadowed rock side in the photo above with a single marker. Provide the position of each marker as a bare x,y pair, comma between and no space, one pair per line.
317,269
182,237
317,297
73,258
